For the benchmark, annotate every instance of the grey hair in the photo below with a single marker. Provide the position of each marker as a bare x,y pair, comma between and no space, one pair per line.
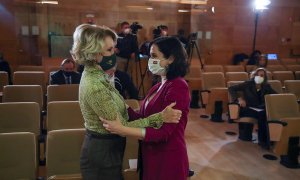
88,42
254,73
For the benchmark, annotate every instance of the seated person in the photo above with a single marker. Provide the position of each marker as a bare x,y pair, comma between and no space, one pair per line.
254,57
4,66
120,80
262,61
253,104
67,74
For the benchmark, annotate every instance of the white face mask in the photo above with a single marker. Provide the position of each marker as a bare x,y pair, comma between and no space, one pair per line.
155,68
258,79
164,33
110,79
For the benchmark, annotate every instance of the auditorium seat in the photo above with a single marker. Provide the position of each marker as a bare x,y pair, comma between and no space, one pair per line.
276,68
236,76
211,80
276,85
234,68
66,92
18,155
193,78
214,95
63,151
297,75
64,115
293,86
283,75
284,125
23,93
20,117
274,62
250,68
234,108
213,68
131,153
289,61
293,68
30,68
30,78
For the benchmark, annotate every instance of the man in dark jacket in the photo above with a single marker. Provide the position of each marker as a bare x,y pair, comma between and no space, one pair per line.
66,75
4,66
253,104
120,80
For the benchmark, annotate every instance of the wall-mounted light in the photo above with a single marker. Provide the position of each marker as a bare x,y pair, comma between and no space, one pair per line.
149,8
183,10
47,2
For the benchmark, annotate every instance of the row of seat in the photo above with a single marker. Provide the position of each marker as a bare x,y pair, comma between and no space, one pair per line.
62,145
63,153
34,93
240,68
217,79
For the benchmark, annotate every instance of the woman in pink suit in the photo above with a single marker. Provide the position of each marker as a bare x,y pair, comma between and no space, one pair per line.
164,153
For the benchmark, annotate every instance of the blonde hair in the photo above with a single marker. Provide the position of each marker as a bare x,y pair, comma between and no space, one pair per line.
88,42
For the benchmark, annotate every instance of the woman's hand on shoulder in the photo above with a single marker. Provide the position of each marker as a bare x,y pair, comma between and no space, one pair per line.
171,115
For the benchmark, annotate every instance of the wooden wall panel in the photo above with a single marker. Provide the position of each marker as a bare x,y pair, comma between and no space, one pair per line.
232,25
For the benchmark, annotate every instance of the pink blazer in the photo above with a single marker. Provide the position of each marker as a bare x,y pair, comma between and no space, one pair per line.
164,150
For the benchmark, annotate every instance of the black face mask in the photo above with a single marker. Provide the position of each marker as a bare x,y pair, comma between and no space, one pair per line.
67,73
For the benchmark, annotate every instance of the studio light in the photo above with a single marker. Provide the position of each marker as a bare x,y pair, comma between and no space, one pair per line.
261,4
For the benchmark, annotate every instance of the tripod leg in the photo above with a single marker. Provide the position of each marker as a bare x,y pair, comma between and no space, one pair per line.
198,53
191,53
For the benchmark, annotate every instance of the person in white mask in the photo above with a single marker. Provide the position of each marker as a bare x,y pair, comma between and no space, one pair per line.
168,59
126,48
252,104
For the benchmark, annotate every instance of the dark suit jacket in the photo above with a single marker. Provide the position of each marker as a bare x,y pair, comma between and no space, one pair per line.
124,85
248,88
164,150
4,66
59,78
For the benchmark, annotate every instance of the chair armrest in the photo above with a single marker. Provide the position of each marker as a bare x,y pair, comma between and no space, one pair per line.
234,111
204,95
278,122
275,129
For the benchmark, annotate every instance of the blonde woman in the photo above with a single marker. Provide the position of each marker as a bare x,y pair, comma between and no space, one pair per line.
102,152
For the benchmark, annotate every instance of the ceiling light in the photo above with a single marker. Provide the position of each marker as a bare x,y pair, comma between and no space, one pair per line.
183,10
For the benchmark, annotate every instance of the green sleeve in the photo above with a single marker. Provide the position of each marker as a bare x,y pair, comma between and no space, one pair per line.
101,101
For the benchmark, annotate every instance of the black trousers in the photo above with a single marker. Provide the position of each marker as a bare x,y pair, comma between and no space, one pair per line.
102,156
263,128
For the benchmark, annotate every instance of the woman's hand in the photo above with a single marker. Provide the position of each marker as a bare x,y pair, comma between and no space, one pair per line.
115,127
242,102
171,115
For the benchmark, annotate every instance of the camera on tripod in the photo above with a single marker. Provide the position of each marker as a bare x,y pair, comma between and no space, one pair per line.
193,36
135,26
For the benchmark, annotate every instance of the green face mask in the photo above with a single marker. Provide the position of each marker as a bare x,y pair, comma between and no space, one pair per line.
108,62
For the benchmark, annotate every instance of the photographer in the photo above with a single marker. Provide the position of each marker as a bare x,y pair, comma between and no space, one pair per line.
126,47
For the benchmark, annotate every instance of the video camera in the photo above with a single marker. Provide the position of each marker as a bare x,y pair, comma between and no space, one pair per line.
193,36
135,26
157,31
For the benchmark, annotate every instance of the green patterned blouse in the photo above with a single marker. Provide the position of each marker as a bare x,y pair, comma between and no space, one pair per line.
97,98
